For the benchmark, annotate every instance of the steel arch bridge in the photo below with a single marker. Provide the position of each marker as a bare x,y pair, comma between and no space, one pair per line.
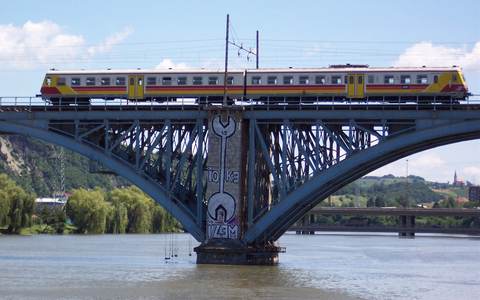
293,158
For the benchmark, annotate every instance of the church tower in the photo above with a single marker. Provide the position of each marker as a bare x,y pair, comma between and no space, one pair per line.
455,178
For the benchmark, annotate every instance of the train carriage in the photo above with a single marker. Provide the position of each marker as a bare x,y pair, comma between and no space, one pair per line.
336,83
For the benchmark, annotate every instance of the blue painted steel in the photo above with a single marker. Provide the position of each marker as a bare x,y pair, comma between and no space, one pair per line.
199,175
149,187
251,171
286,212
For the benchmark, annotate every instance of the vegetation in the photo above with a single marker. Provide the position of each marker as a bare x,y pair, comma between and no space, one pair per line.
16,206
125,210
33,165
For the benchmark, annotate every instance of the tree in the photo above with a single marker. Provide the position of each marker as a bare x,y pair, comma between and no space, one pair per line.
370,202
117,219
88,210
55,217
138,206
16,205
450,202
379,201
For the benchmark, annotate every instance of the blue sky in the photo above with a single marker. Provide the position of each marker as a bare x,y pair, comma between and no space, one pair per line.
38,35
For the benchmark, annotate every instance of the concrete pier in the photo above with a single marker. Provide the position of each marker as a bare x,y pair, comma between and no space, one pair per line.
226,206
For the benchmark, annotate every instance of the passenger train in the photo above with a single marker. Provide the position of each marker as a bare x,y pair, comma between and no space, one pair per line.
303,85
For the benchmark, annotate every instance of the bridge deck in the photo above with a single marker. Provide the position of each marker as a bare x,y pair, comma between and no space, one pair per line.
36,107
445,212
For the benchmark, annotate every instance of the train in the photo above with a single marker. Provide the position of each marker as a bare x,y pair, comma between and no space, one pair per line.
272,85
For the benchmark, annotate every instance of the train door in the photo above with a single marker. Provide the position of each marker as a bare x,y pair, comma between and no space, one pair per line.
140,87
360,86
356,86
135,87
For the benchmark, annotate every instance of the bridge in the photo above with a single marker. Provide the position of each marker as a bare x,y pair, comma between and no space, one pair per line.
406,227
239,176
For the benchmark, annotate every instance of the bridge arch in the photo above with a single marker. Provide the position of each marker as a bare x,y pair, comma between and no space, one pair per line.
143,182
276,221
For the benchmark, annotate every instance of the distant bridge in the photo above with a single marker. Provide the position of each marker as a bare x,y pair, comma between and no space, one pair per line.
407,225
265,165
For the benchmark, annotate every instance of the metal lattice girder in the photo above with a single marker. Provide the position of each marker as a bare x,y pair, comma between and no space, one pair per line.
296,150
274,222
166,151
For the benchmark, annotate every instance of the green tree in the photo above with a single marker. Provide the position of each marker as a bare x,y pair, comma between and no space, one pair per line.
55,217
379,201
117,219
88,210
16,205
138,206
370,202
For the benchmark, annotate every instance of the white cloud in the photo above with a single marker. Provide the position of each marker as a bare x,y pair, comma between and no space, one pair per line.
110,41
169,64
472,173
427,161
428,54
46,44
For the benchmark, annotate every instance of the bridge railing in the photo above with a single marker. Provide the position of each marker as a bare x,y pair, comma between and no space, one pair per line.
32,103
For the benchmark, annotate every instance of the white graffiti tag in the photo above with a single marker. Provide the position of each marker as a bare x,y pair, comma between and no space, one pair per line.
221,205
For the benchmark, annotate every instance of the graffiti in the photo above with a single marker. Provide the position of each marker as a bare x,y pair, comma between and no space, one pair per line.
213,175
222,205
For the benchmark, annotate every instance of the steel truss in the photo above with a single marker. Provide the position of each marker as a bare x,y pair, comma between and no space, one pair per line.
171,153
290,152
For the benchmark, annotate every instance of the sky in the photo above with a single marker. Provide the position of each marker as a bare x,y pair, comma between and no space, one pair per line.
38,35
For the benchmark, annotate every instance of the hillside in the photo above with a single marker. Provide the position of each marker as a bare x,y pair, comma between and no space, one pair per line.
394,191
34,165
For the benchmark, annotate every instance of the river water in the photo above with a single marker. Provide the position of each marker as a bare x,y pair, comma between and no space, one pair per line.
326,266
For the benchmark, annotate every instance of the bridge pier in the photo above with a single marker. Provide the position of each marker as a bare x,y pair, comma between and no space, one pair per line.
227,208
407,226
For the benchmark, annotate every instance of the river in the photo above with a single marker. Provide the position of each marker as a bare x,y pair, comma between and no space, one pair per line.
326,266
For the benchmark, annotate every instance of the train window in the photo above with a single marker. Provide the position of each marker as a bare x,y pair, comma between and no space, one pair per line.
422,79
256,80
105,81
303,80
371,79
351,80
360,80
181,80
120,81
405,79
166,80
61,81
336,79
197,80
75,81
230,80
213,80
132,81
388,79
454,78
272,80
287,79
151,80
90,81
48,81
140,81
320,80
435,79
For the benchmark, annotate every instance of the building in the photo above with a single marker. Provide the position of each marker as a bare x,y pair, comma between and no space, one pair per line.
456,181
42,203
474,193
